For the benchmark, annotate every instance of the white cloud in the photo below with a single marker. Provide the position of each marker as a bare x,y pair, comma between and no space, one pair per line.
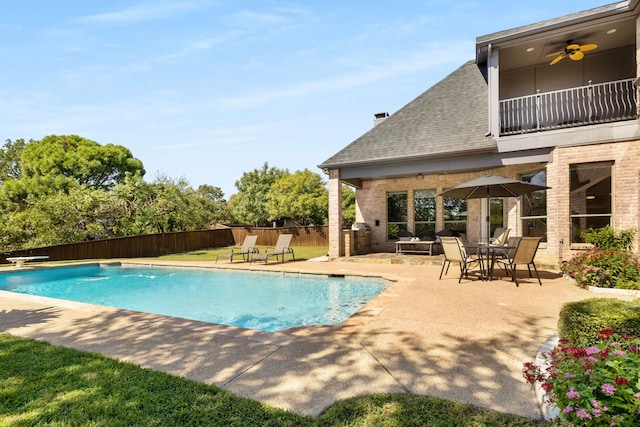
143,12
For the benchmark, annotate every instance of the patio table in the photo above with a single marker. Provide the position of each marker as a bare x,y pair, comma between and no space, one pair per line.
414,246
487,256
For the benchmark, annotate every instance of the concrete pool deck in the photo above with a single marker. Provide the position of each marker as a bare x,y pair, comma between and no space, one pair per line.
422,335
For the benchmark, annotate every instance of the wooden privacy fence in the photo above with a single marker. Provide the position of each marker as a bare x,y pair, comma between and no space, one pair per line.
268,236
151,245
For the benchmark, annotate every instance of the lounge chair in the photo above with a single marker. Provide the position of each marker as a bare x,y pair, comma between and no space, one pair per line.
282,248
248,248
454,252
525,253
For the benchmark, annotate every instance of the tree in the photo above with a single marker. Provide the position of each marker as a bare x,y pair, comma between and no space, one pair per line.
249,203
348,206
65,217
166,205
79,159
59,163
10,159
301,196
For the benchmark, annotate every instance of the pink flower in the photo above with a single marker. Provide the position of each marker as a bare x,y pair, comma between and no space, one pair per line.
569,375
592,350
609,389
582,414
572,394
619,353
567,410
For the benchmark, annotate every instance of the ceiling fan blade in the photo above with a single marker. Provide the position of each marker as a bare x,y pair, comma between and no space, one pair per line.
587,47
576,56
572,46
555,54
558,59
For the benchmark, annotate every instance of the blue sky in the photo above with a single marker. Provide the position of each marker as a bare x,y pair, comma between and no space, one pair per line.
209,89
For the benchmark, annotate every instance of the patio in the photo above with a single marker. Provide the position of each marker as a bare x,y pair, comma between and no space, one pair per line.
422,335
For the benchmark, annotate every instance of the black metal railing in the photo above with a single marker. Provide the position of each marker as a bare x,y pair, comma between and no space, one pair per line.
579,106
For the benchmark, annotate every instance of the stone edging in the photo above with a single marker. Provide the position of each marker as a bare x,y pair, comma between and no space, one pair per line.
609,291
549,410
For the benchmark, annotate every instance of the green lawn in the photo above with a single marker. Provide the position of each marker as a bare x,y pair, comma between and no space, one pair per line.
302,253
45,385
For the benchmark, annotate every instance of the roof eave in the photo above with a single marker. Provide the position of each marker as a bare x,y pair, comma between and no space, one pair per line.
589,15
409,159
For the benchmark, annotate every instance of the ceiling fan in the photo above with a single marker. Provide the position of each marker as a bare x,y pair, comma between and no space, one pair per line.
572,50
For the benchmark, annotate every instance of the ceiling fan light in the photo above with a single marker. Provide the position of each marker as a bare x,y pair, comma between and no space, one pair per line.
576,56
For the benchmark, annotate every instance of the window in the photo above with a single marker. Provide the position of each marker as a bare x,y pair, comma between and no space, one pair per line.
424,209
589,197
534,206
455,215
397,209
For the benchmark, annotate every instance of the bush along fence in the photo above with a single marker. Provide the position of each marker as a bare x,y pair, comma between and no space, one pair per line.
166,243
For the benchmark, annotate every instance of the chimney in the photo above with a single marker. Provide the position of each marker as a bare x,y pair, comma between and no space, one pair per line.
379,118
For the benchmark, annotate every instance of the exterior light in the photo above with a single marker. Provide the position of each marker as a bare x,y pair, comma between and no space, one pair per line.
420,177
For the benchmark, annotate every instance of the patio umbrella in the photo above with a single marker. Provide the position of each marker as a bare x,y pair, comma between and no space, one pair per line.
489,186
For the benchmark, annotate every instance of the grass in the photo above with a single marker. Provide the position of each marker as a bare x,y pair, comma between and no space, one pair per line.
41,384
302,253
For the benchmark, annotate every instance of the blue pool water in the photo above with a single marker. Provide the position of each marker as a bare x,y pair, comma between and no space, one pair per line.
263,301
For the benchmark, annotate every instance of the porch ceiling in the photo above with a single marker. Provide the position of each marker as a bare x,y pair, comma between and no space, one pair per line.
551,36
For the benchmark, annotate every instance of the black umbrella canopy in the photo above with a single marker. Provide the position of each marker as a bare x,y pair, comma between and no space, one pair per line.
491,186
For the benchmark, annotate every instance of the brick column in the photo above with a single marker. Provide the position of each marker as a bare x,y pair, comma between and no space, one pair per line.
335,214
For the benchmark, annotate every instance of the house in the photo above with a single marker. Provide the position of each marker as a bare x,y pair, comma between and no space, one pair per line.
552,103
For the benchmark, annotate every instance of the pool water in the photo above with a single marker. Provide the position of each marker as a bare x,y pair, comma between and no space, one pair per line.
263,301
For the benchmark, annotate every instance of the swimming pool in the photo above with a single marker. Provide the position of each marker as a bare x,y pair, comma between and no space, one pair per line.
263,301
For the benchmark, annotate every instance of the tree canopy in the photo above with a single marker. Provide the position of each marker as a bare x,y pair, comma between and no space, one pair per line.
301,197
80,160
249,203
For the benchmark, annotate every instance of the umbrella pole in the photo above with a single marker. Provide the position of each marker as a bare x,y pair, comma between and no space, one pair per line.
488,221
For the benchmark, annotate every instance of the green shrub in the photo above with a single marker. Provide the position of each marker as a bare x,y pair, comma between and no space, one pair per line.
581,321
605,269
609,239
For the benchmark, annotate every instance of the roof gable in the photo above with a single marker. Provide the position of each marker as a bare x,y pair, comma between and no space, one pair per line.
449,118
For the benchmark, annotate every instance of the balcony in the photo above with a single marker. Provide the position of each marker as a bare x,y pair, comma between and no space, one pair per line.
579,106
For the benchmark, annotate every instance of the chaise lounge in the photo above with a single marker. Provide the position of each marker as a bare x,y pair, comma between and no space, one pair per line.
282,248
248,248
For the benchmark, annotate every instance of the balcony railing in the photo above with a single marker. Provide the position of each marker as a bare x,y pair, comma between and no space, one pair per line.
579,106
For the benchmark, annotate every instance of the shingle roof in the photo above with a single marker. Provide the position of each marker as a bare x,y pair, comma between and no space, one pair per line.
451,117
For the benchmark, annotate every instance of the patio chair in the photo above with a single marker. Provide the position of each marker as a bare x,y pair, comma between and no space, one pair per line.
500,236
281,249
524,253
248,248
454,252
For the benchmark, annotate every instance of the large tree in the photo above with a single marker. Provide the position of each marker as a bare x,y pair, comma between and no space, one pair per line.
84,161
249,203
59,163
301,197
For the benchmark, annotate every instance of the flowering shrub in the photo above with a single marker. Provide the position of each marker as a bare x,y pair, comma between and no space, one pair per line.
605,269
597,385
